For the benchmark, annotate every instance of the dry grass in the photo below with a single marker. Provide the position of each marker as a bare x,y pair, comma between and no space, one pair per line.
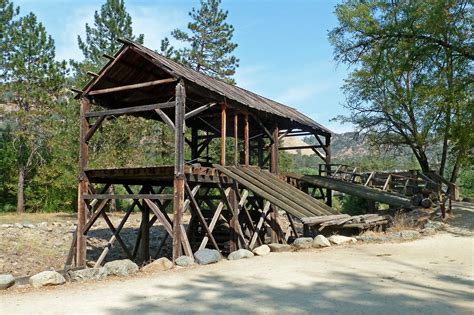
402,221
34,218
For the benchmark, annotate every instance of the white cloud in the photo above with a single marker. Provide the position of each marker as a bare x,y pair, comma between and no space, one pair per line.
300,93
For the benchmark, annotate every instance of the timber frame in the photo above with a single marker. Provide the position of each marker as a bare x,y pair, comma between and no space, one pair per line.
136,81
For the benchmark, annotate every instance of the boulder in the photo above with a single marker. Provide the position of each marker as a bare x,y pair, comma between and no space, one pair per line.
303,242
207,256
6,226
239,254
321,241
47,278
161,264
6,281
120,268
278,248
262,250
87,274
339,239
184,261
409,234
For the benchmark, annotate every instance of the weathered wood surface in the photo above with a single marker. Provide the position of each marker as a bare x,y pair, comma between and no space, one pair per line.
130,110
131,86
354,189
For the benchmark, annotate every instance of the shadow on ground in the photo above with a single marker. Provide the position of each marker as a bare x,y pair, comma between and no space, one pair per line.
351,293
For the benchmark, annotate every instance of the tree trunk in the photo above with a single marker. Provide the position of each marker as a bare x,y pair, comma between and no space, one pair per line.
20,205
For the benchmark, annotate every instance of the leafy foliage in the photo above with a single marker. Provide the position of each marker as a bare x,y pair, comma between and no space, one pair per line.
411,83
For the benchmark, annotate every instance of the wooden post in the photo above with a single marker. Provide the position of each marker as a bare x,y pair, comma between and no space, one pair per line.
274,169
328,168
82,188
246,139
236,139
223,132
260,144
274,151
234,221
144,251
194,144
179,178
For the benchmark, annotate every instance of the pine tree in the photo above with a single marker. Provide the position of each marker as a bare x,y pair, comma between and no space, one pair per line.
7,15
210,41
33,81
113,22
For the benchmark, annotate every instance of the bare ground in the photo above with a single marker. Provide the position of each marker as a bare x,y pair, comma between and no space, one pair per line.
433,275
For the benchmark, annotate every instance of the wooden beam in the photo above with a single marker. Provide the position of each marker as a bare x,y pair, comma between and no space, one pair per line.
328,162
108,56
259,224
298,147
93,129
130,110
198,110
132,86
179,176
223,132
269,134
92,74
165,119
198,213
129,196
214,219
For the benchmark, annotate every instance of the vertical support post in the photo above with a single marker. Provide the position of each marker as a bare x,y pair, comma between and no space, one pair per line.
81,249
274,151
274,169
145,234
234,220
223,132
178,183
236,139
260,144
194,144
246,139
328,168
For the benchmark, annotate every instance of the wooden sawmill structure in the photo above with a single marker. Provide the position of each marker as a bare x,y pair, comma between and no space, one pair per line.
244,194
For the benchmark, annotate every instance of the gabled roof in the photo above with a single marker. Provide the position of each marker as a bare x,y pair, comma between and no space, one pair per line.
230,92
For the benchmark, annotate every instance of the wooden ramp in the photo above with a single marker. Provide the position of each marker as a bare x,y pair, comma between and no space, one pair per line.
278,192
354,189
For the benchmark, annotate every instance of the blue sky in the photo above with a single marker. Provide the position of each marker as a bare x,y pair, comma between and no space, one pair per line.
283,47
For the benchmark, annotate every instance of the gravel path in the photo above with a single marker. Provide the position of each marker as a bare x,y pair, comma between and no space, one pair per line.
433,275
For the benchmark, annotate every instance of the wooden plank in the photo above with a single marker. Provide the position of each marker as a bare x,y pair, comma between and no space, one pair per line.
131,196
280,202
132,86
130,110
198,110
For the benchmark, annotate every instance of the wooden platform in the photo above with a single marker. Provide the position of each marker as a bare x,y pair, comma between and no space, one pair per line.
157,175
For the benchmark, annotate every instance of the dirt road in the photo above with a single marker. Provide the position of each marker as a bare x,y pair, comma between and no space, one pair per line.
430,276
